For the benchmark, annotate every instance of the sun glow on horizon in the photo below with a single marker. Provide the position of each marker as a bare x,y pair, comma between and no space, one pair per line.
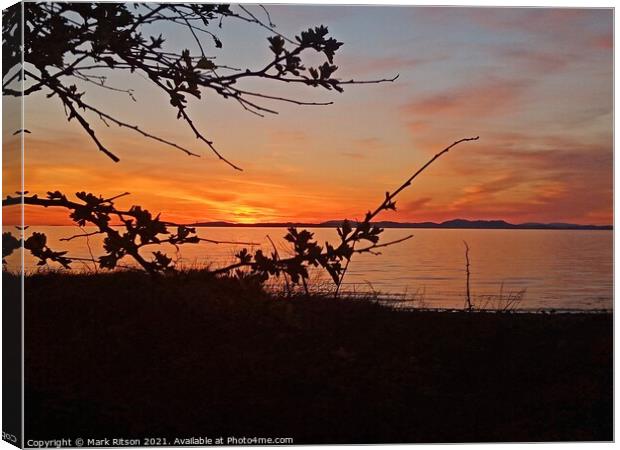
247,214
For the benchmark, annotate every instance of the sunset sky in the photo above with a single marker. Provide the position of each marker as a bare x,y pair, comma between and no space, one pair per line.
534,84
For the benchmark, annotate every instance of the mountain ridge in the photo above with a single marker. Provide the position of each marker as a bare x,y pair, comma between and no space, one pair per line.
448,224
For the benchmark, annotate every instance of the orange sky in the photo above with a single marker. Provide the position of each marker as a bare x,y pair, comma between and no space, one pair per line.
536,85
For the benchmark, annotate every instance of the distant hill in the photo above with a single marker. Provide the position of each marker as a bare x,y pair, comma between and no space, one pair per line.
455,223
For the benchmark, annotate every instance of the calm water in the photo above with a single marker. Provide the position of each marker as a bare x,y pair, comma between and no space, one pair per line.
557,269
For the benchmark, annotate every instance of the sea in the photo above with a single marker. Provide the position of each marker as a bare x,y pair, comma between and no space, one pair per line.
509,269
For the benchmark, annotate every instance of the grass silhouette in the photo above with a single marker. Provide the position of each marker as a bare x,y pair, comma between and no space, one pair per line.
125,354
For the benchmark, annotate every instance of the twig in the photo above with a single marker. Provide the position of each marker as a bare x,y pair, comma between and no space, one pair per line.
191,29
354,236
283,99
387,244
277,255
388,202
86,235
344,272
68,100
377,81
206,141
260,23
271,24
468,298
90,250
110,199
369,249
390,197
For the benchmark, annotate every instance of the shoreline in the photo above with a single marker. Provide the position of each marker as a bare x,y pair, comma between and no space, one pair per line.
394,301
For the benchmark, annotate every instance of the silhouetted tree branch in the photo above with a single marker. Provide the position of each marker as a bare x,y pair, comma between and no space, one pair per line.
83,41
138,229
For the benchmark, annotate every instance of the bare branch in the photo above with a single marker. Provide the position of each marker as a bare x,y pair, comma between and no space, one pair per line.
201,137
377,81
467,292
75,236
283,99
179,74
68,99
390,197
387,244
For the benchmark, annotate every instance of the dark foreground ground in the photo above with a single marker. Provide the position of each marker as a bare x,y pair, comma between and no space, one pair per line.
123,356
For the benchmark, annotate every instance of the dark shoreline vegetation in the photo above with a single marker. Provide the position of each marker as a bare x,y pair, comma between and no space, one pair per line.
129,355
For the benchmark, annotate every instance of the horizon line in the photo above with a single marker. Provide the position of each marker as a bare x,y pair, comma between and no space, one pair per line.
491,224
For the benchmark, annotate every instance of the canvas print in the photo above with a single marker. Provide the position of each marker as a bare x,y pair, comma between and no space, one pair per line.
293,224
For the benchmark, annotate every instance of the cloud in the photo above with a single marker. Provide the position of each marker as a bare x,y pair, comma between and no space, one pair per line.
486,193
280,136
520,176
495,186
544,201
559,180
414,206
385,65
603,41
354,155
536,61
369,142
482,99
546,21
361,147
551,154
545,151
